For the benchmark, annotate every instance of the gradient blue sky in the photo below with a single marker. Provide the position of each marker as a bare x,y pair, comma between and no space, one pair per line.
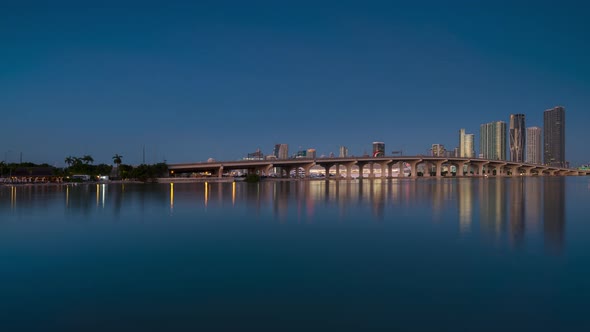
220,79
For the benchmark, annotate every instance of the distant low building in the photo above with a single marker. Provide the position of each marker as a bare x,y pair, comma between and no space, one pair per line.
438,150
258,155
301,154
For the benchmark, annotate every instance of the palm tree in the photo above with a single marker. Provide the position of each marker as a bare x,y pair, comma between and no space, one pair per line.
70,160
87,159
117,159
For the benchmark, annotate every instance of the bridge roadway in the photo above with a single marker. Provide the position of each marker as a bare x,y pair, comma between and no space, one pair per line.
472,166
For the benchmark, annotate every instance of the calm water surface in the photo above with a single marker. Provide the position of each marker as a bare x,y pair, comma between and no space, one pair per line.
392,255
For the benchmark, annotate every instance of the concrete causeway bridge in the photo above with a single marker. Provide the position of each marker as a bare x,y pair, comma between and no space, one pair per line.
302,166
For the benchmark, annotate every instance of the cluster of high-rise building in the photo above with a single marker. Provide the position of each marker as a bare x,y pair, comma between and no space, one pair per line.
517,143
531,145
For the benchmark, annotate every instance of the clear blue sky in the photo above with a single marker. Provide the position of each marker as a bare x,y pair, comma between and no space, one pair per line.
221,79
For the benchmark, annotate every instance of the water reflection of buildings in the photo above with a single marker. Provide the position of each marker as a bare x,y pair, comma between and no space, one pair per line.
554,213
533,210
492,199
517,211
509,207
465,201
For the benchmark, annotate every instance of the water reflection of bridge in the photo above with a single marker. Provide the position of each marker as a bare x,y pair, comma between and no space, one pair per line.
431,166
516,210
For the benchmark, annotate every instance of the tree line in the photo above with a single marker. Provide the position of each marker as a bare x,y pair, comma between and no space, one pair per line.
85,166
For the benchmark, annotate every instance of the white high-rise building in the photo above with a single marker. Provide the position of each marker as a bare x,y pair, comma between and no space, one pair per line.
466,144
533,145
343,152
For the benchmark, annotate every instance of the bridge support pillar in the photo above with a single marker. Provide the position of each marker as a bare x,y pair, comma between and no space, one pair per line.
390,170
401,169
514,171
361,167
383,165
349,169
527,170
307,169
220,172
478,167
371,170
414,168
438,165
327,168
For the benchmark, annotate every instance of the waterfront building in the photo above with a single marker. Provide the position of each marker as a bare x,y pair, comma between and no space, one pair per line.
378,149
438,150
311,153
517,137
533,145
343,152
554,137
257,155
281,151
301,154
492,140
466,144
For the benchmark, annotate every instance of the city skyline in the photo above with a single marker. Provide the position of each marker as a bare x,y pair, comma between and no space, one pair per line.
195,81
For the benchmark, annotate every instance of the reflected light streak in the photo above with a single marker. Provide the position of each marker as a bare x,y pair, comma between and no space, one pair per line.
13,197
233,193
206,193
103,194
171,197
97,194
67,196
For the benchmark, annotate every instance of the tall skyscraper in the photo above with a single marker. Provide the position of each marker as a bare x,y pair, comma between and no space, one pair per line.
281,151
492,140
466,146
378,149
469,146
533,145
517,137
554,137
343,152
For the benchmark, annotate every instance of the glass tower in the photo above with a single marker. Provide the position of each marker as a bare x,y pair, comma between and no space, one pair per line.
554,137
